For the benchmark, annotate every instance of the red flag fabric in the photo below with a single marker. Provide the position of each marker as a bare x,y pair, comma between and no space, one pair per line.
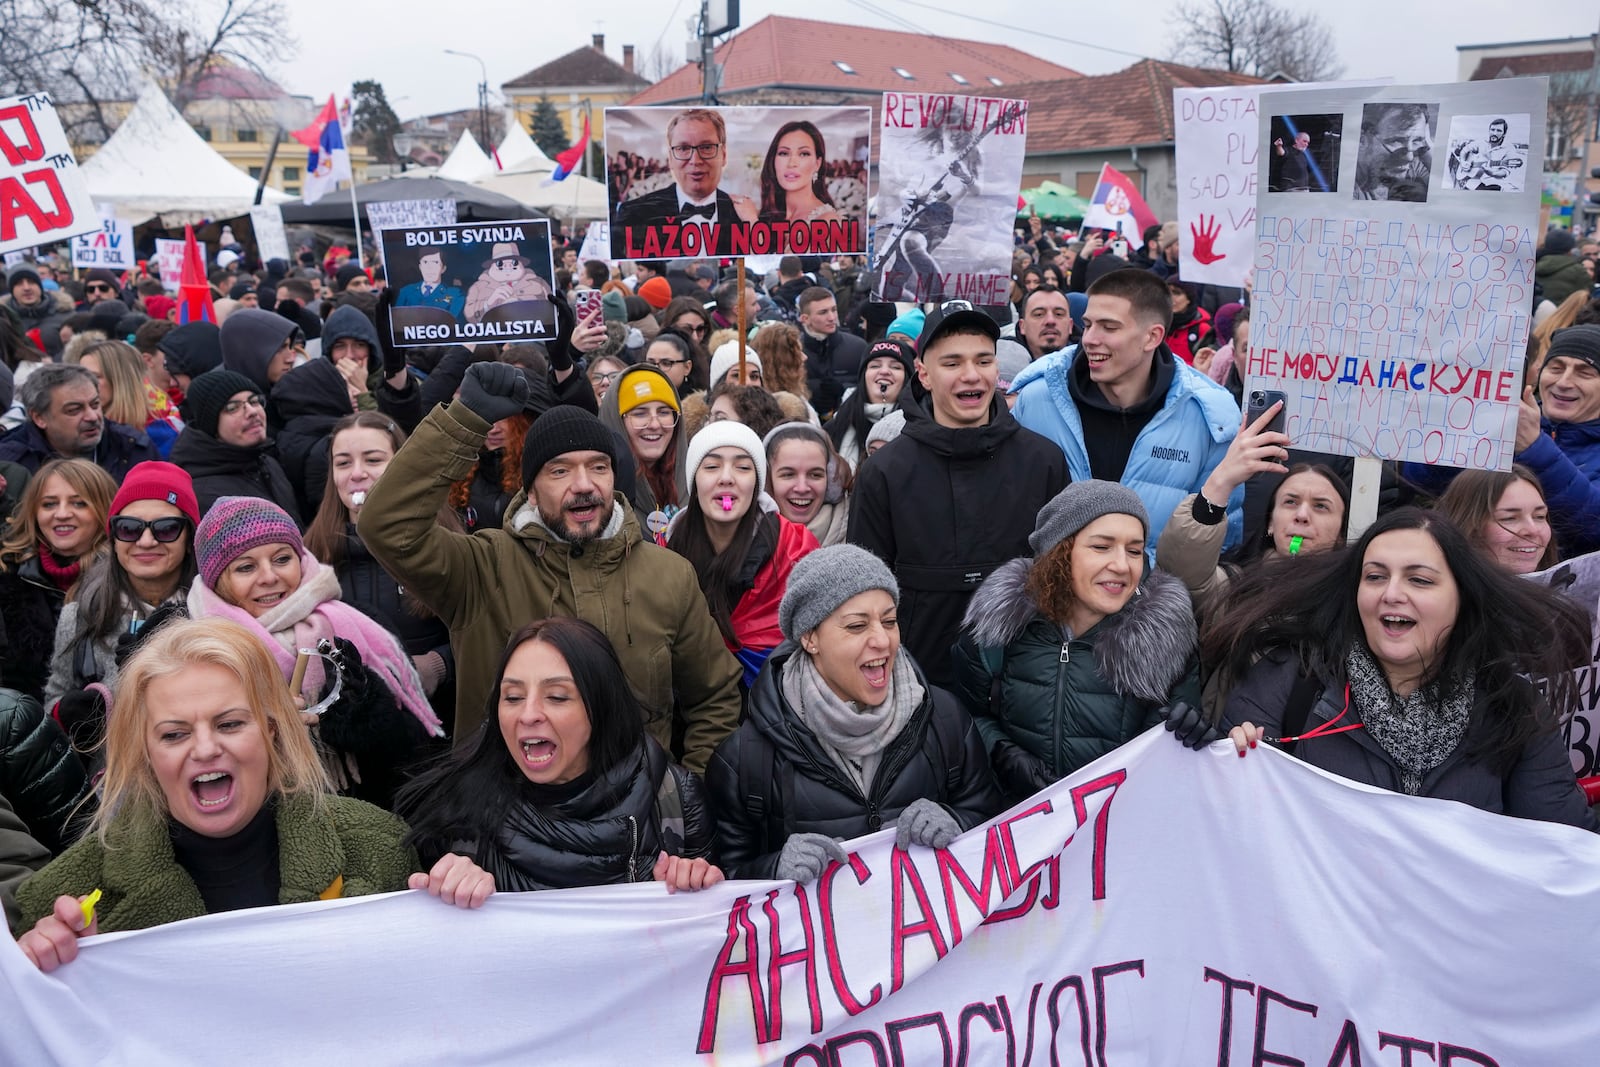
194,292
311,136
1117,205
567,162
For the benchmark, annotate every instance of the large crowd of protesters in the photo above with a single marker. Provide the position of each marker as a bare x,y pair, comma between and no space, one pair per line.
291,613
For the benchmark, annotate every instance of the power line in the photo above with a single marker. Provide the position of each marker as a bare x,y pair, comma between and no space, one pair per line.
1028,30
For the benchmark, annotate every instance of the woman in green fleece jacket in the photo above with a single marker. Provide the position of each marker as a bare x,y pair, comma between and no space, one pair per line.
214,799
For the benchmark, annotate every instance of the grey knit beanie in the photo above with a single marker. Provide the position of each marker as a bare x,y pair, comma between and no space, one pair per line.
826,578
1077,506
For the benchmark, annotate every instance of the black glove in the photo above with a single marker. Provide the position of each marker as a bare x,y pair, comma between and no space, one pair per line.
494,391
82,714
559,347
129,643
1021,773
394,360
1191,726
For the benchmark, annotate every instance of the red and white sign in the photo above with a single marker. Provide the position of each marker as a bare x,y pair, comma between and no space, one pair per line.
43,196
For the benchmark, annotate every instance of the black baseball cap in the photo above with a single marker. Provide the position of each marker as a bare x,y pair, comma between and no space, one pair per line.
952,314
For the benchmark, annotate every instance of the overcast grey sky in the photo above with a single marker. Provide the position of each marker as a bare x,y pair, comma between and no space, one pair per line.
400,42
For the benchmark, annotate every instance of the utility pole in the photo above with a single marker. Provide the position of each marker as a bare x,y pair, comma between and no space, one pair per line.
1591,116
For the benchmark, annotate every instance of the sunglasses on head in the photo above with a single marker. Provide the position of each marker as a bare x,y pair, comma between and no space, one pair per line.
166,530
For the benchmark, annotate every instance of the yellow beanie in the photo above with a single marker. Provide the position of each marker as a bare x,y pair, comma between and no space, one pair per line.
642,385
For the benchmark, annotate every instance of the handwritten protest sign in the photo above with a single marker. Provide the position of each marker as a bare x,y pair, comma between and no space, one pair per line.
471,282
398,214
1086,927
596,242
1217,144
949,170
752,181
271,240
43,195
169,262
1391,308
1580,579
111,246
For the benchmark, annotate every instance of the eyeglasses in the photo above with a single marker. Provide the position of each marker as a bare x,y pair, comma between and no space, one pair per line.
698,331
666,364
641,417
602,378
233,407
97,287
684,152
166,530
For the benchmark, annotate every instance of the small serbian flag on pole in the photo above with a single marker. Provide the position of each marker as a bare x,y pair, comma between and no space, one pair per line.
194,292
327,160
568,161
1117,205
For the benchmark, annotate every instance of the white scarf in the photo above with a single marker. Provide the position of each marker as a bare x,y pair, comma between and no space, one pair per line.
854,735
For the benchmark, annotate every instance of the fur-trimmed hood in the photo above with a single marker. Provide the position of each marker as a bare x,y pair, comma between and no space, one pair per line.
1142,651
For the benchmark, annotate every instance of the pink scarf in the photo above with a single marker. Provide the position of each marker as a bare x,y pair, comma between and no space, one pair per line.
313,612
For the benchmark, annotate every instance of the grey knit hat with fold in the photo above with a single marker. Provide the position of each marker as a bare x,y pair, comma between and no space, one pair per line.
1077,506
826,578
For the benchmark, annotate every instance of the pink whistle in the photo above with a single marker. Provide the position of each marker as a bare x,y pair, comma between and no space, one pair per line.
726,501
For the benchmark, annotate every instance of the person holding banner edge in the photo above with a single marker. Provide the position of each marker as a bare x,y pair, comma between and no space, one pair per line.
1403,663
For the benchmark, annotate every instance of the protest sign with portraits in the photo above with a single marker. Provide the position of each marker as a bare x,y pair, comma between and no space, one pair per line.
687,182
484,281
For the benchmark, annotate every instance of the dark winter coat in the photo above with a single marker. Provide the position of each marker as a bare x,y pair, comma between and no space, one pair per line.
30,607
119,449
1540,786
944,508
832,366
610,833
1561,276
368,726
403,405
309,400
46,316
1068,700
771,778
220,469
40,774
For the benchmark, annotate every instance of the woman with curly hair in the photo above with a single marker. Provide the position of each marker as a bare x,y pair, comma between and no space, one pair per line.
1069,654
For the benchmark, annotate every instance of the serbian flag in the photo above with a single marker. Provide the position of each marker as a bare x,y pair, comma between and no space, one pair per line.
1117,205
194,292
567,162
327,160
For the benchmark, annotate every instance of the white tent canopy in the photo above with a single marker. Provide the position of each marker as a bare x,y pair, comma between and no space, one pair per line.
466,161
576,197
518,152
155,164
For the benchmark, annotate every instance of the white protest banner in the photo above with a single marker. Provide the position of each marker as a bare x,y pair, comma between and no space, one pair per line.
596,242
43,194
753,181
948,174
1159,907
111,246
11,259
398,214
169,261
271,240
1579,579
487,281
1391,307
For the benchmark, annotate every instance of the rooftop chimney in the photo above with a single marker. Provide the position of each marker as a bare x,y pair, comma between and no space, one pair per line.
599,42
627,58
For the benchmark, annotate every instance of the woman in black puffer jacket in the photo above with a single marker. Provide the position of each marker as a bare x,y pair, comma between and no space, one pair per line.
563,787
844,735
39,774
359,450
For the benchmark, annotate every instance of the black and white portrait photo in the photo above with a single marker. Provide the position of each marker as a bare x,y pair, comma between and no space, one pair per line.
1395,158
1489,152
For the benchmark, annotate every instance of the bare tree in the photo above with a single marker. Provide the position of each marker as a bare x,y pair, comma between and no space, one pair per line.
87,53
1254,37
658,63
1565,116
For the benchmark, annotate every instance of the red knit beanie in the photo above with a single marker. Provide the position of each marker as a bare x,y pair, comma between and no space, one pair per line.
155,480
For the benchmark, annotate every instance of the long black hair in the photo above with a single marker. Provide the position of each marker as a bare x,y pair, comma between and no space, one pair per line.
774,201
1505,628
1256,547
725,577
465,795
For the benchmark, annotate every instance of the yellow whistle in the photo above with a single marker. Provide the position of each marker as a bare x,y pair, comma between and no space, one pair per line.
88,908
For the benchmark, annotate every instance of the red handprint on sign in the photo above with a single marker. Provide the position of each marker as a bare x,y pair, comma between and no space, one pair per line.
1205,240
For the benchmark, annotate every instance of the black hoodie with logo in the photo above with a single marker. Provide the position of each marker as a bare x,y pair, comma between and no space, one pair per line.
943,508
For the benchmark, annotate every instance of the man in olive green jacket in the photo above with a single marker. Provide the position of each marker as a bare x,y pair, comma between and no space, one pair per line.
570,545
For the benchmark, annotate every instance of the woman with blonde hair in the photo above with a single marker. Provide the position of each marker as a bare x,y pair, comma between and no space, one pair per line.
214,800
126,395
58,526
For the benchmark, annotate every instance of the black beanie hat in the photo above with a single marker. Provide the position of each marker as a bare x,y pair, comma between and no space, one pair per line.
563,429
1576,342
202,404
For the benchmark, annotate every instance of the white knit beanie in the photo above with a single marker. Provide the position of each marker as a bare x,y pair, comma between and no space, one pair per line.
718,434
726,358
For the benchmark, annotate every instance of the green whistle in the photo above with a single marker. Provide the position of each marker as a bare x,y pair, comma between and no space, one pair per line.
1294,544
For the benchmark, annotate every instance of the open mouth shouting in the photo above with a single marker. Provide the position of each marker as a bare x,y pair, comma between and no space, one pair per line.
211,791
538,753
876,672
1396,626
